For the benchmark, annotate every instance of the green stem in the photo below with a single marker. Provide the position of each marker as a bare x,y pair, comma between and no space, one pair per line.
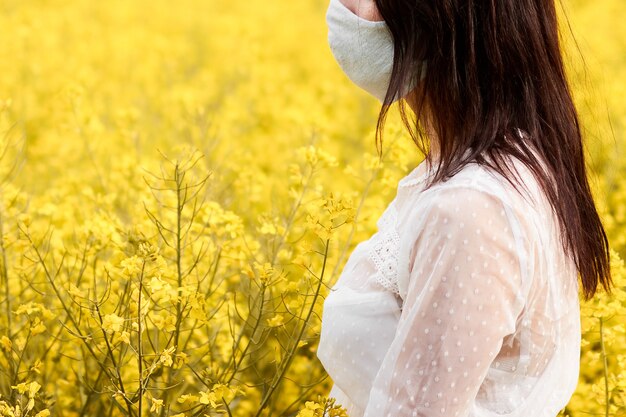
67,310
294,347
237,364
140,341
339,262
110,351
605,369
5,276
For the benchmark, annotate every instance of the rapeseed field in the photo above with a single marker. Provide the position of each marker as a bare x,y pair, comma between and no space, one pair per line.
181,182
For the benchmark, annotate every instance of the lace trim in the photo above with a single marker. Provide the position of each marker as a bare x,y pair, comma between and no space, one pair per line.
384,252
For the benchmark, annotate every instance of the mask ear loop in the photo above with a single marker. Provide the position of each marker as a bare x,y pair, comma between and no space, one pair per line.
368,23
359,20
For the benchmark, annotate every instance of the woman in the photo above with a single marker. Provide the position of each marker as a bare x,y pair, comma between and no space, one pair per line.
465,301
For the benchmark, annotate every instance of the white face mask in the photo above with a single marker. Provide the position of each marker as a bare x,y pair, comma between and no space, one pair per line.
363,49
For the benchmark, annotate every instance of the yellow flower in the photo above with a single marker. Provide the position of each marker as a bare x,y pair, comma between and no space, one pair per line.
112,323
76,292
37,327
21,387
310,410
187,398
36,367
32,388
156,405
215,395
166,356
277,320
6,343
208,397
125,337
165,321
160,289
266,272
221,390
132,266
32,309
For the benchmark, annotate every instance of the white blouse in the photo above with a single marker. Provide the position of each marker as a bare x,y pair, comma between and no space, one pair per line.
462,304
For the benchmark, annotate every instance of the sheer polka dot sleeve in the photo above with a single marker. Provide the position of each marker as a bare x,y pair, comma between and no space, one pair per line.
464,296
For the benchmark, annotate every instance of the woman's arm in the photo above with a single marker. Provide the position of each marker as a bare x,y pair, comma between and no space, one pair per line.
464,296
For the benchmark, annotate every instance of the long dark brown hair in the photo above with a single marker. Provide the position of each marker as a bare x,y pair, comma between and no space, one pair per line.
495,66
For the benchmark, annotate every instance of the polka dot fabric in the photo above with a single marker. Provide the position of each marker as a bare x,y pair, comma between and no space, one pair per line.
476,313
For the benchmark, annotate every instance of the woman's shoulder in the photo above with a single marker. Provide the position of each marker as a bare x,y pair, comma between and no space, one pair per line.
477,183
479,197
477,207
